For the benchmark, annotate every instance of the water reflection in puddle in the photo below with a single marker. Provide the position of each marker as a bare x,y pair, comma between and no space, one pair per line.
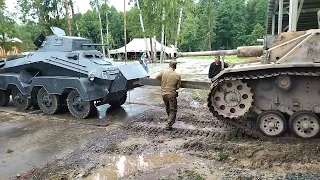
124,165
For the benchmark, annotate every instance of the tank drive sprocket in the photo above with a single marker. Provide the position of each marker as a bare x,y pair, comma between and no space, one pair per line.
231,99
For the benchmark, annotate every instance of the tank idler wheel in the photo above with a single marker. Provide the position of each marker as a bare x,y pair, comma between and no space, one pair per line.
78,107
4,98
119,102
272,123
304,124
20,101
48,103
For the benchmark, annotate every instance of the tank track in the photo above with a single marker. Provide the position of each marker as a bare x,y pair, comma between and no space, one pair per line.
248,127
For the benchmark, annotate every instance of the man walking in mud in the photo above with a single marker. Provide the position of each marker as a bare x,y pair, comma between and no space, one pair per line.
170,83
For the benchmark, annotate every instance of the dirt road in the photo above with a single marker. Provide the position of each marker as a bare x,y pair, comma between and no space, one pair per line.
131,143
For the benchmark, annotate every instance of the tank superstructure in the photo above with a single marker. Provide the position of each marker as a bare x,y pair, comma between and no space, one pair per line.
66,70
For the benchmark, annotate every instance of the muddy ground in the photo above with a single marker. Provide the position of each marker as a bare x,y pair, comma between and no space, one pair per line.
35,146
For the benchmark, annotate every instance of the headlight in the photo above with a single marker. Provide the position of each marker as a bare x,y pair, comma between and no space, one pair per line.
91,75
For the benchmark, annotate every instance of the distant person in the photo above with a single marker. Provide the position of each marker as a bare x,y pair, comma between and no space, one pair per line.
144,62
215,67
170,83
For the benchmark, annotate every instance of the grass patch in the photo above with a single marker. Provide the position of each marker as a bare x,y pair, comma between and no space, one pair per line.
229,59
199,95
188,174
222,155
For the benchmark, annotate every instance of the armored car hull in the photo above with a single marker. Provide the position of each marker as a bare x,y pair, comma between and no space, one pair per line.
66,70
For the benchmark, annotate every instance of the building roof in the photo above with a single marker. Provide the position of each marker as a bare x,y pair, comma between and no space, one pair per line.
139,45
307,19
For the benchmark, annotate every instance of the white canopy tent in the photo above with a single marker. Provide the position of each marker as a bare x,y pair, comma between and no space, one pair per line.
138,45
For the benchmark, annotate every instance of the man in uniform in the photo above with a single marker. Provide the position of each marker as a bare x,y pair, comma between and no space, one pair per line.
215,67
170,83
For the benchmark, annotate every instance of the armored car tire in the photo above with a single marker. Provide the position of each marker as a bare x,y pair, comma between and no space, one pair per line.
4,98
20,101
78,107
119,102
48,103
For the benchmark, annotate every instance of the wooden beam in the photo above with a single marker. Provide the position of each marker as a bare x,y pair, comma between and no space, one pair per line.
184,84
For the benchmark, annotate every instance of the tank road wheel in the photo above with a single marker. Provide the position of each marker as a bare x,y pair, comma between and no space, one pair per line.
304,124
78,107
20,101
231,99
4,98
119,102
48,103
272,123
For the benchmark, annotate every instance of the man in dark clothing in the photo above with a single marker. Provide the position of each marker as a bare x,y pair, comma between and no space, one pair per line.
215,67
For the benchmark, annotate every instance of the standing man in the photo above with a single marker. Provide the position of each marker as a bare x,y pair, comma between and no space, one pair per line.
144,62
170,83
215,67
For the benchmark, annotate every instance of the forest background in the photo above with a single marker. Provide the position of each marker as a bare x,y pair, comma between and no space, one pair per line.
205,24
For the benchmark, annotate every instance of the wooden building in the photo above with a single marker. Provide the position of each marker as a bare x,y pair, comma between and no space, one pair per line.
15,49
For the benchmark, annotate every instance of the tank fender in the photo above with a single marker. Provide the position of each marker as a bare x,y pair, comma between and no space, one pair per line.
88,90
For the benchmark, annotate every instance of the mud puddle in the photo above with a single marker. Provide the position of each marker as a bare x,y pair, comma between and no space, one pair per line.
122,166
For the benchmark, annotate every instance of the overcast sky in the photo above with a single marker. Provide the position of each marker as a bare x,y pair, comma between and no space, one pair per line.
83,5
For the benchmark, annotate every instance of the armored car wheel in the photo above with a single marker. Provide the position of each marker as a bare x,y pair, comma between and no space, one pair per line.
119,102
272,123
78,107
304,124
20,101
48,103
4,98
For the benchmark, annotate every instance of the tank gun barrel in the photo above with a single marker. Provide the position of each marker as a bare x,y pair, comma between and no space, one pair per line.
244,51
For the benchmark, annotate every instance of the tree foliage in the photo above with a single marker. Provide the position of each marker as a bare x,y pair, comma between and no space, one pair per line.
7,28
206,24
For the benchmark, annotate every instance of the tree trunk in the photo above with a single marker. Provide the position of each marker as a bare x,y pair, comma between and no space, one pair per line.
108,55
178,30
73,18
162,34
142,26
101,34
67,16
151,50
154,49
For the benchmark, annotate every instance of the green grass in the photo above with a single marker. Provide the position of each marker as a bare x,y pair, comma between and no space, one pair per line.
222,155
189,174
229,59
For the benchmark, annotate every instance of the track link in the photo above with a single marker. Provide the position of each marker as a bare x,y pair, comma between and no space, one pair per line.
249,127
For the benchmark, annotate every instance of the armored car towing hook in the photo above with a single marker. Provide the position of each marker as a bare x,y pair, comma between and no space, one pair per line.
66,70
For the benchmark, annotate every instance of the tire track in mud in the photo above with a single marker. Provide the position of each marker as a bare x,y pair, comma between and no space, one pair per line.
189,123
